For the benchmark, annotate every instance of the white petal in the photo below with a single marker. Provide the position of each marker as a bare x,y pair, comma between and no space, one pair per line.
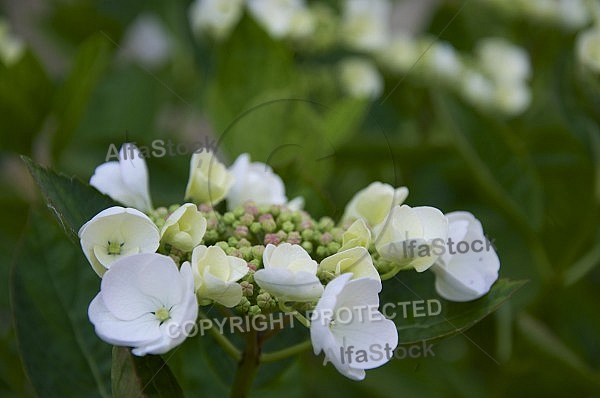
287,285
118,332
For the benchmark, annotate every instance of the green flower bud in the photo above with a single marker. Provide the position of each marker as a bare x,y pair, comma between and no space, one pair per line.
254,310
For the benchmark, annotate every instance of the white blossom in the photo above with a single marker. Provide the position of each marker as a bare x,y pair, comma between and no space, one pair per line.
217,18
216,274
115,233
184,228
209,180
346,317
125,180
289,273
145,302
254,182
469,275
374,202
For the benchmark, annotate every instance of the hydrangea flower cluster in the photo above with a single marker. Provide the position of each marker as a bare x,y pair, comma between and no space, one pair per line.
262,254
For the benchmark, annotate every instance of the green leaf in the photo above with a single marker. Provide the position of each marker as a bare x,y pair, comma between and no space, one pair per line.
72,201
498,160
454,318
142,377
51,287
72,98
344,119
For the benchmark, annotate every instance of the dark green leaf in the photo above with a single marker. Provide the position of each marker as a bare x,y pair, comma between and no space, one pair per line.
142,377
51,287
454,318
72,201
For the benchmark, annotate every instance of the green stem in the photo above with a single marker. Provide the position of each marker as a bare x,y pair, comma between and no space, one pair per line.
223,341
286,352
247,367
390,274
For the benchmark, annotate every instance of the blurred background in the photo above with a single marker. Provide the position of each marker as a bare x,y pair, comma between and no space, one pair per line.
489,106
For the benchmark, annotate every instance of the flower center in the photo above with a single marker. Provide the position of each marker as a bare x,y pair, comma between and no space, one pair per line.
162,314
114,247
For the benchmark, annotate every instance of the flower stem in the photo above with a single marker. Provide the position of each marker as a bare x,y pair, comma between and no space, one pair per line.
223,341
286,352
247,367
390,274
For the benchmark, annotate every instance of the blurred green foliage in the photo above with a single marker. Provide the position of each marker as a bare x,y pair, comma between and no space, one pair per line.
534,181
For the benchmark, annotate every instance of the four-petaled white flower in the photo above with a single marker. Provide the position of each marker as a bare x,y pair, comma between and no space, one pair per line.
125,180
145,302
216,274
374,202
209,179
346,321
289,273
408,234
115,233
356,260
465,276
184,228
254,182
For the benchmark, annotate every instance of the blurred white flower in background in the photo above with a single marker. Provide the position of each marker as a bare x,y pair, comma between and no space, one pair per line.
401,54
360,78
147,41
469,275
11,47
125,180
217,18
477,88
502,60
442,60
144,302
281,18
512,98
254,182
588,49
365,25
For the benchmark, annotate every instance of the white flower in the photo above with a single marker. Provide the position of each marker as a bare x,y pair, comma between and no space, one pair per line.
366,24
588,48
147,42
358,234
209,180
478,89
289,273
346,320
125,180
295,204
356,260
442,60
281,18
11,47
216,274
145,302
115,233
513,98
467,274
184,228
502,60
408,234
574,14
215,17
360,78
254,182
401,54
374,202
